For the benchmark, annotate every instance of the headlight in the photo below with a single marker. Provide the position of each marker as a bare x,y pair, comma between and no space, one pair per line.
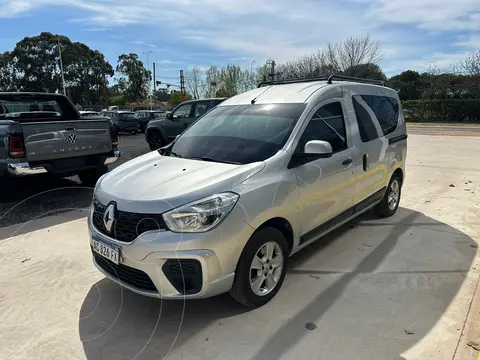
202,215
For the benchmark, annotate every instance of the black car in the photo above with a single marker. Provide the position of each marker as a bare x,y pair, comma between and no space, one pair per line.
144,116
124,121
160,132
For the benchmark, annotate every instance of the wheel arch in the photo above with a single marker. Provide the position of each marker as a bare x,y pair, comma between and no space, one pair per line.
284,226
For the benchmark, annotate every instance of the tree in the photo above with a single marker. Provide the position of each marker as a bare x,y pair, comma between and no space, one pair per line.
161,95
34,65
228,81
175,98
86,75
351,54
355,56
366,71
193,79
408,84
471,64
135,82
212,81
8,80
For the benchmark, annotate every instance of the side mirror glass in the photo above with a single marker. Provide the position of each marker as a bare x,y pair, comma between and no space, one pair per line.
318,147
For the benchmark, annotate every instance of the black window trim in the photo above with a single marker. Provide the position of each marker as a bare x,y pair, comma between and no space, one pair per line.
293,163
358,124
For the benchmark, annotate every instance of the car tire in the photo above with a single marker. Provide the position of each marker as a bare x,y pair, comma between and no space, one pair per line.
155,140
250,286
90,177
390,201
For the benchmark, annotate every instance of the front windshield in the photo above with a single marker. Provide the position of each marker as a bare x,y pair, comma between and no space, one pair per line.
126,116
239,133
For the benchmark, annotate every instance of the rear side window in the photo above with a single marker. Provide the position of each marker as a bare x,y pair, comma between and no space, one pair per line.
328,124
386,110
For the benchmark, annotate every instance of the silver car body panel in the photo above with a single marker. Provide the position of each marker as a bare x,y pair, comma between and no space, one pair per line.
314,198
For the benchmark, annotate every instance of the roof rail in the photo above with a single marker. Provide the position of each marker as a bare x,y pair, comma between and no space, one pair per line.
328,79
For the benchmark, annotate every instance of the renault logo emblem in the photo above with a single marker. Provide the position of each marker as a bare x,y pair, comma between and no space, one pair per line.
109,217
72,138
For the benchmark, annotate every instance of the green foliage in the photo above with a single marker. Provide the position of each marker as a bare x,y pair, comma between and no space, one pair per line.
174,99
366,71
453,110
135,82
228,81
119,100
161,95
408,84
34,65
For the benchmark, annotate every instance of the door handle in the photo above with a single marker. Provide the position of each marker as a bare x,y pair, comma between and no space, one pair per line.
347,162
365,162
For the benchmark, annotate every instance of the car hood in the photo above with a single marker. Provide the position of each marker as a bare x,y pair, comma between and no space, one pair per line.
153,183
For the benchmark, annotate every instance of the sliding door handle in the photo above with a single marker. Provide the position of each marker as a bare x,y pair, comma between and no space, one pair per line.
347,162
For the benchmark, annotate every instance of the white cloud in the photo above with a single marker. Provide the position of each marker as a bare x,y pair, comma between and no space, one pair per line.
169,62
472,42
96,29
442,15
257,30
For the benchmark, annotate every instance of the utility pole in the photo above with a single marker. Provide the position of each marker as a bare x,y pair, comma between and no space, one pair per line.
154,87
61,65
183,95
149,84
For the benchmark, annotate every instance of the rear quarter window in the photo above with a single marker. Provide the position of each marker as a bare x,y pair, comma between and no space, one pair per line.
386,110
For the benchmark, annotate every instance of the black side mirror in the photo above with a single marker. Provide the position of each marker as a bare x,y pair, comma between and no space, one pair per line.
170,116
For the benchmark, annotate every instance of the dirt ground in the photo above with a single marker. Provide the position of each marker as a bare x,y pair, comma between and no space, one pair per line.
400,288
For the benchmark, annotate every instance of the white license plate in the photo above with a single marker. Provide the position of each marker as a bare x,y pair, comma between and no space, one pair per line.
108,251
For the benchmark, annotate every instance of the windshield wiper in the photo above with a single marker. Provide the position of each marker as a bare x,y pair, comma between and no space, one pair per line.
206,158
171,153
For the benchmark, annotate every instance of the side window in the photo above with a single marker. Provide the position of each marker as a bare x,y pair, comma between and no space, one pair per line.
386,110
183,112
368,130
327,124
200,109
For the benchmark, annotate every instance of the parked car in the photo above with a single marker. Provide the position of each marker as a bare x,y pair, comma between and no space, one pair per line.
261,176
89,114
44,133
144,116
162,131
124,121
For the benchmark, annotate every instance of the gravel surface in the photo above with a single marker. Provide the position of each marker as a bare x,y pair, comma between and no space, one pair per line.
27,199
443,129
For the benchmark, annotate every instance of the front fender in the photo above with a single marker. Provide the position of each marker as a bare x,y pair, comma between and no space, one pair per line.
158,129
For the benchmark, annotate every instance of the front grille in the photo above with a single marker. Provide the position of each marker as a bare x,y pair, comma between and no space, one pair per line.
184,274
126,274
127,226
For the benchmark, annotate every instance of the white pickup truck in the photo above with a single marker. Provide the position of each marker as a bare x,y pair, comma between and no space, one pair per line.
44,134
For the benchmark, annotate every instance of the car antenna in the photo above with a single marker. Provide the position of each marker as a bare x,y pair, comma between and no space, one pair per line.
255,98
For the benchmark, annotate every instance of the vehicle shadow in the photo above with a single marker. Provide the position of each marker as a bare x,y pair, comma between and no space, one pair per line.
363,302
24,200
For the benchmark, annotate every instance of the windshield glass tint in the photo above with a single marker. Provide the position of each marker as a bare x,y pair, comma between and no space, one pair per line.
126,116
240,133
17,106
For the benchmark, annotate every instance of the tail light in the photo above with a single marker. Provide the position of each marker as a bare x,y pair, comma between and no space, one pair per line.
17,146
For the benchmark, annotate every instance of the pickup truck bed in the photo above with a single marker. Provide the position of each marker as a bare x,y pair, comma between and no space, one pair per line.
44,133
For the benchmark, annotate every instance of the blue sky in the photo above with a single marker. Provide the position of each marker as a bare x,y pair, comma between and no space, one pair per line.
184,33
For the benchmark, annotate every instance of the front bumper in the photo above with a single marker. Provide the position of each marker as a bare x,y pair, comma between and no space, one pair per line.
144,260
25,169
